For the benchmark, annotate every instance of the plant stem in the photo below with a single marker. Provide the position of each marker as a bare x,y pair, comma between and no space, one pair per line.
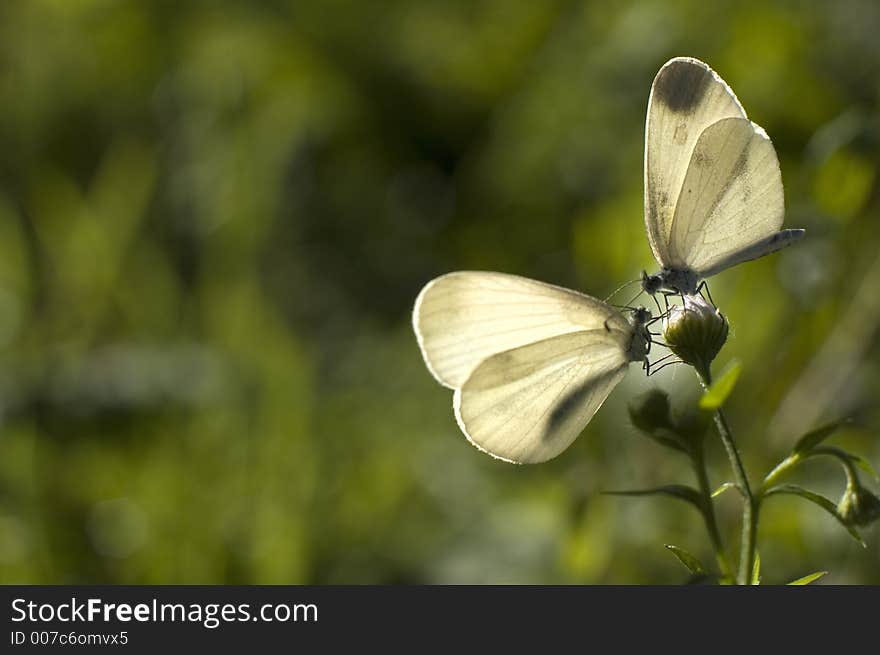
750,506
699,461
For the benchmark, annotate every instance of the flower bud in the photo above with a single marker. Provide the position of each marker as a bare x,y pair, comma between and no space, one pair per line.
695,331
858,506
650,411
652,414
692,424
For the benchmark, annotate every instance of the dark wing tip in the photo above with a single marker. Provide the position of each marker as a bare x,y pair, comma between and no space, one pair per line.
681,84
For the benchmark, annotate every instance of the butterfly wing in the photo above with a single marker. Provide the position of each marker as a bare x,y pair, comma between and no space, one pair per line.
528,404
462,318
772,243
686,97
731,204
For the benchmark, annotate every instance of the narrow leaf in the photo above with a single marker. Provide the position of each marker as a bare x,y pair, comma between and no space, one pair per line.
784,465
722,387
701,578
680,491
691,563
846,457
807,579
756,570
815,437
819,500
724,487
667,438
863,464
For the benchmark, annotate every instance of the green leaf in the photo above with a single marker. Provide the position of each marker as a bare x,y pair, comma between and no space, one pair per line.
727,580
863,464
722,387
780,468
691,563
680,491
756,570
815,437
667,438
821,501
724,487
807,579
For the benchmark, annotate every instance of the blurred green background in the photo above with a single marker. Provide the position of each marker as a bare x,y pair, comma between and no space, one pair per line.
215,217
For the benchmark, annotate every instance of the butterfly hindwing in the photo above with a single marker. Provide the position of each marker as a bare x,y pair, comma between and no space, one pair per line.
529,404
731,196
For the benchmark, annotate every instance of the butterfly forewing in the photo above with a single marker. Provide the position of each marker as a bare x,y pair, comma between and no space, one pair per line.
686,97
462,318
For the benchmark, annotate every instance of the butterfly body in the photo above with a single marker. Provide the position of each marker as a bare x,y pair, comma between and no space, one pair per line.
640,342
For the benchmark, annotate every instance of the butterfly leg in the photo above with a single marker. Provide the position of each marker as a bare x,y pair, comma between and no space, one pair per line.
705,287
662,366
663,359
656,302
648,365
662,315
666,295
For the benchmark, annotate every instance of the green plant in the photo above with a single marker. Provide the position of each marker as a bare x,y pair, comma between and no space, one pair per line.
696,331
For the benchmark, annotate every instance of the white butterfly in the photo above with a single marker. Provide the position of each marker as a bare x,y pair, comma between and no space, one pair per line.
530,362
713,189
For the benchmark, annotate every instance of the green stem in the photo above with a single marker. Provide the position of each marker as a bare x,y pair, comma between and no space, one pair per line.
750,506
699,461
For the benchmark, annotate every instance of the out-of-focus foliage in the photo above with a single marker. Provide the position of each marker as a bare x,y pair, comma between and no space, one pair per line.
215,216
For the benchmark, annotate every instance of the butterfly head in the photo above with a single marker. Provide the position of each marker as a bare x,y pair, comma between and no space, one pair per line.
651,284
641,315
671,280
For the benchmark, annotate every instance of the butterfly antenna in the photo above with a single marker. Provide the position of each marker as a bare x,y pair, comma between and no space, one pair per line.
621,288
631,300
